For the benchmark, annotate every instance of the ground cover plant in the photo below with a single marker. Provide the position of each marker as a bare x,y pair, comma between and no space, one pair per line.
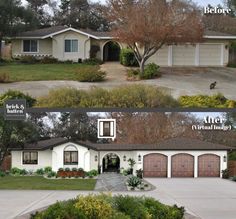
105,206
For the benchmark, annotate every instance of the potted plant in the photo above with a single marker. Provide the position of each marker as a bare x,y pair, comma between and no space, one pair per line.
131,163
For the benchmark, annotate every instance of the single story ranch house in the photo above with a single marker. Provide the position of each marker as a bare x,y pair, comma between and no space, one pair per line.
175,157
67,43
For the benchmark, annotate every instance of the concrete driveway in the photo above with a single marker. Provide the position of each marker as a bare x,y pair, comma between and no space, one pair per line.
177,81
207,198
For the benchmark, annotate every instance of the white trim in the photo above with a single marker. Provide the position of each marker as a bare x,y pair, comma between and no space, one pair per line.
71,45
169,167
196,166
222,54
22,47
197,54
170,55
220,37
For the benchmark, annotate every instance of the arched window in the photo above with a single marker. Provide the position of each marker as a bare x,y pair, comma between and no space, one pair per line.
70,155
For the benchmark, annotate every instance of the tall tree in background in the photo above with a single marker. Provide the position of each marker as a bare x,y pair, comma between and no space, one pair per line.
146,26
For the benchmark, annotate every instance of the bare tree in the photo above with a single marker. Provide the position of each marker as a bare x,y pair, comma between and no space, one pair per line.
147,25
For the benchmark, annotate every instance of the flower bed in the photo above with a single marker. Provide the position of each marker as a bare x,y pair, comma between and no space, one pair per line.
64,173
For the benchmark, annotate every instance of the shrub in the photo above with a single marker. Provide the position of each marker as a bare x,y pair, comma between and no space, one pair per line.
61,210
13,94
81,169
133,96
74,169
134,181
92,173
2,174
48,60
91,75
234,178
40,171
94,207
51,174
4,78
47,169
225,174
67,169
214,101
151,71
139,173
92,61
15,171
28,59
127,58
23,172
61,169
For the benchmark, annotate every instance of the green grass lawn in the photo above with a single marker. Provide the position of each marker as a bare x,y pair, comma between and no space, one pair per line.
43,72
40,183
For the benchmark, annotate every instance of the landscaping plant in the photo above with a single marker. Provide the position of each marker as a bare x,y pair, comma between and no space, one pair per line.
134,181
131,163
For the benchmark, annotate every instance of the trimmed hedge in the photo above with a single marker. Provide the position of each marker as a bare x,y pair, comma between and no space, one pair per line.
91,75
107,207
136,96
127,58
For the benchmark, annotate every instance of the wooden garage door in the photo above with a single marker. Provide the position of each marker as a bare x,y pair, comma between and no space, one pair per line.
184,55
155,165
209,165
210,55
182,165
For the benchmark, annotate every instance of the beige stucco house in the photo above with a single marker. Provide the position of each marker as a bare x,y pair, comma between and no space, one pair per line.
67,43
175,157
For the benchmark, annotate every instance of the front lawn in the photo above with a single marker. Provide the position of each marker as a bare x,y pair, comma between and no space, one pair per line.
44,72
41,183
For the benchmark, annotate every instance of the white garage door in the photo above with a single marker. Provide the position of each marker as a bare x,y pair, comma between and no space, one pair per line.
184,55
210,55
160,58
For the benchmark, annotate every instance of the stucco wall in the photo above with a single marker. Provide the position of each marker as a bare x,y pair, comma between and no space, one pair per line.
59,46
44,160
44,48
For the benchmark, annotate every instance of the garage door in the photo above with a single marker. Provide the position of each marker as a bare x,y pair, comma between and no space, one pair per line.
182,165
184,55
209,165
155,165
210,55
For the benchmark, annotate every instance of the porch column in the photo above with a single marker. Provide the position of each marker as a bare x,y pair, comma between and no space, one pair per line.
170,55
197,55
195,166
169,167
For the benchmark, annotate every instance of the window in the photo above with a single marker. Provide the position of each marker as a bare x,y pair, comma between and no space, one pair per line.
70,157
30,157
106,129
71,45
30,45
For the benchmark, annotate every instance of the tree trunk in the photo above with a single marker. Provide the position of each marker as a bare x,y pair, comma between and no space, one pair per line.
141,67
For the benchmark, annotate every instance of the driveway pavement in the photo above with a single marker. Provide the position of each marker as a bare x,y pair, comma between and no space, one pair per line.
207,198
177,81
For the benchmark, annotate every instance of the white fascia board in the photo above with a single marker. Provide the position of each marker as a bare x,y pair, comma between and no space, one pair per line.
220,37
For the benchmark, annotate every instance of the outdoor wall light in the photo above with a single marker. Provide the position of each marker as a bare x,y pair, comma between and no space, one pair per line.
226,46
96,158
139,157
225,159
124,158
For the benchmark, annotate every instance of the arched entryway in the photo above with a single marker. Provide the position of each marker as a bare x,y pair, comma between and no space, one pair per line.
111,163
111,52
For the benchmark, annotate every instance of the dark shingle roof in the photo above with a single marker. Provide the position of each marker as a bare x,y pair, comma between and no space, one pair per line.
179,143
216,33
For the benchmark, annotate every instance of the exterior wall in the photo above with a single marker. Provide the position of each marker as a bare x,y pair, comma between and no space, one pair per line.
58,157
44,160
44,48
169,154
59,46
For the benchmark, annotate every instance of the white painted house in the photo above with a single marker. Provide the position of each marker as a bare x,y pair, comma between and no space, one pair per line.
176,157
66,43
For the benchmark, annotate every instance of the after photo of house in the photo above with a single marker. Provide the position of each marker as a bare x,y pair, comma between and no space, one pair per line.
104,54
153,159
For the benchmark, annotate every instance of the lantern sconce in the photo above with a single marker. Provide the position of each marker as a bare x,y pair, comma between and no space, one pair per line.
139,157
225,159
226,46
124,158
96,158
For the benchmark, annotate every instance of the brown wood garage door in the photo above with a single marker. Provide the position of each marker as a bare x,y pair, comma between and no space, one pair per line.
182,165
155,165
209,165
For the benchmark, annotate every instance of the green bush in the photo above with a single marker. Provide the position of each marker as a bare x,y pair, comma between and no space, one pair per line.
61,210
28,59
134,181
40,171
15,171
139,173
48,60
92,173
47,169
234,178
23,172
4,77
215,101
151,71
2,174
133,96
67,169
225,174
92,61
13,94
91,75
127,58
94,207
232,155
51,174
74,169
